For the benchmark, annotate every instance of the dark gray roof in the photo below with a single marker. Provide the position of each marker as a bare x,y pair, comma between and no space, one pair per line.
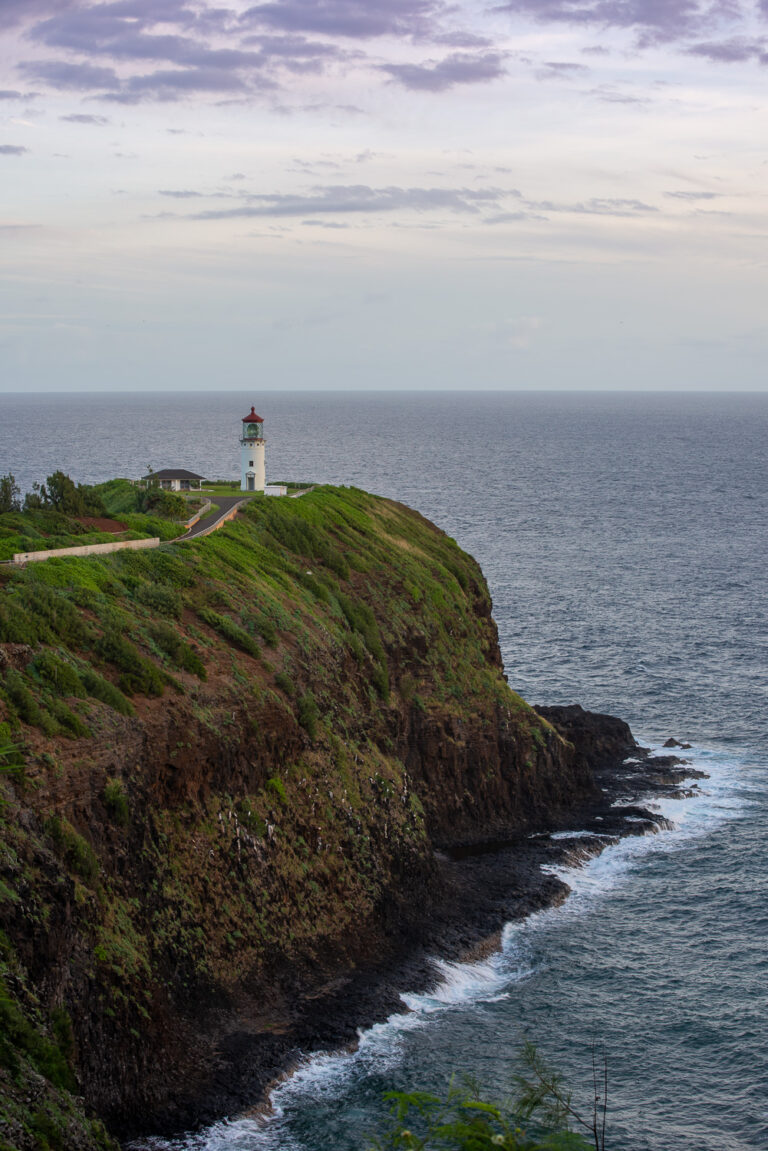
173,474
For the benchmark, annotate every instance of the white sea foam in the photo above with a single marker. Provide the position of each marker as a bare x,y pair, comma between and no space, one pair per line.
324,1077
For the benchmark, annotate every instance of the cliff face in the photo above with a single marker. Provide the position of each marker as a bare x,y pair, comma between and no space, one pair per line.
238,758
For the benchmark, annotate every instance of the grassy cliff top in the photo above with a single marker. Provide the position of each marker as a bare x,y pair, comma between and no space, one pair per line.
282,576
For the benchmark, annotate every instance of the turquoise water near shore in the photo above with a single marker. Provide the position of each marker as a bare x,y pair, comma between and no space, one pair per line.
624,541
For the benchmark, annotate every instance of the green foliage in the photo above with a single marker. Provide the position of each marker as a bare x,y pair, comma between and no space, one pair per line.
76,851
465,1121
180,653
59,676
168,505
285,683
160,598
361,619
264,627
61,493
9,494
116,802
17,1035
118,496
138,675
69,721
100,688
277,787
230,631
18,693
307,714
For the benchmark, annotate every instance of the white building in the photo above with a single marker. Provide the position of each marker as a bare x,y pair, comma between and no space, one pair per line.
252,467
174,480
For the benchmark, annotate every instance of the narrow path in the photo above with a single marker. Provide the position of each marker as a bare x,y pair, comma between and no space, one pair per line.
225,505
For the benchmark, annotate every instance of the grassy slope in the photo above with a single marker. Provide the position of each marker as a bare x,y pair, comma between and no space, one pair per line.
270,823
47,529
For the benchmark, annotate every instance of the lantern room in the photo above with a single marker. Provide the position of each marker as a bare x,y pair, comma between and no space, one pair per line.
253,426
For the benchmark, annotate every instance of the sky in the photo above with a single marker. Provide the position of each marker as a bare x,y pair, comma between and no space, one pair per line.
410,194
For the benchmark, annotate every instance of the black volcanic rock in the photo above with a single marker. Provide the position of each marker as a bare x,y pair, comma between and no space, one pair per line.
598,740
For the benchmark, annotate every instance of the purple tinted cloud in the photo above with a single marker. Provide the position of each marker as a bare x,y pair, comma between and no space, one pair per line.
355,19
357,198
458,68
84,118
12,150
125,32
9,94
64,76
655,20
17,12
733,51
690,196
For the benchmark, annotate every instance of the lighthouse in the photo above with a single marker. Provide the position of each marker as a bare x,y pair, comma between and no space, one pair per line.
252,472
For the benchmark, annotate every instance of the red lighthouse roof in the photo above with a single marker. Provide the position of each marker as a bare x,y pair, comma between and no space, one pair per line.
253,418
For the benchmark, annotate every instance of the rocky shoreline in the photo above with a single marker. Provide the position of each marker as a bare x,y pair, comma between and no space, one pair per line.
482,885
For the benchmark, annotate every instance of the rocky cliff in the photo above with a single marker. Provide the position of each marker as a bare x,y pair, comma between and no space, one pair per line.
235,760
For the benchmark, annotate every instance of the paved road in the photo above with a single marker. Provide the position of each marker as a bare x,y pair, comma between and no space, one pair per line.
225,505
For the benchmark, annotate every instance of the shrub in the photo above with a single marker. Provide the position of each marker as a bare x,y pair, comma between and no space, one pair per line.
160,598
229,630
69,720
285,683
76,851
137,673
58,676
16,1032
102,689
179,652
116,802
380,681
308,714
277,787
26,705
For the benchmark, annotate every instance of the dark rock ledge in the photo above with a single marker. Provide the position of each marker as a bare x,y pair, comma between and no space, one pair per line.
484,886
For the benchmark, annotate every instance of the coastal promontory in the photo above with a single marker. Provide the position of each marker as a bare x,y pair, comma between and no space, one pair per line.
230,771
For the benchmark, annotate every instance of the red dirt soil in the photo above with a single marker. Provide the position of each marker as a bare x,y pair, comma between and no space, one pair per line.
100,524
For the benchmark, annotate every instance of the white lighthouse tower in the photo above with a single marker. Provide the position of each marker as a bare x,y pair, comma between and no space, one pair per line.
252,471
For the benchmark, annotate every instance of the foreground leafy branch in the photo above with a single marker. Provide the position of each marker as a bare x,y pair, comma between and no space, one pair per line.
538,1118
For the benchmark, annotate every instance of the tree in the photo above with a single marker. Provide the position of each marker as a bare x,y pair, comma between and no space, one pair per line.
537,1118
9,494
541,1092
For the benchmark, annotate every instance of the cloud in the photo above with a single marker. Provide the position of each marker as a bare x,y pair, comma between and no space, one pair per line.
195,50
9,94
17,12
609,95
597,206
458,68
84,118
655,21
12,150
693,195
734,51
70,77
558,70
357,198
352,19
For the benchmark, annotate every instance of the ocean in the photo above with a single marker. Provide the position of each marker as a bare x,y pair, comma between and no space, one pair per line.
624,541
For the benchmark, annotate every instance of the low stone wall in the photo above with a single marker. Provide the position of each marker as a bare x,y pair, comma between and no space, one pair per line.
190,523
85,550
219,523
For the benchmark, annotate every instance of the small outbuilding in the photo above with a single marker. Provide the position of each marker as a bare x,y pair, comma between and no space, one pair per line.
175,480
